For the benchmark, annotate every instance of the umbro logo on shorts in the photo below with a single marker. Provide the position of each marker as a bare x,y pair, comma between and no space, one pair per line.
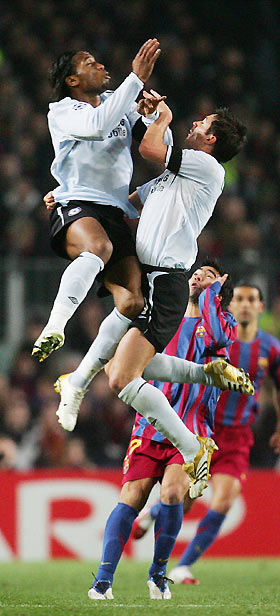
74,211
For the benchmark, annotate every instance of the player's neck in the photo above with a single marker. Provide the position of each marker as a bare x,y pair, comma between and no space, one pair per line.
192,310
92,99
247,333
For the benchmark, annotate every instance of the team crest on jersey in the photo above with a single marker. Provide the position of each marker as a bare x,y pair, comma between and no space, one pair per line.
263,363
78,106
201,331
74,211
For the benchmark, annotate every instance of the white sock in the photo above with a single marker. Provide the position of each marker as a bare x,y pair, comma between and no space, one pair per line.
171,369
111,330
154,406
75,283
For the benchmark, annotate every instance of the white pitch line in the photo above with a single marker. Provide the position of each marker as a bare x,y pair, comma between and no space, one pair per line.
184,605
30,605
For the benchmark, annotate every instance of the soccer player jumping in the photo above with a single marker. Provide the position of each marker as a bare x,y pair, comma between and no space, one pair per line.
177,205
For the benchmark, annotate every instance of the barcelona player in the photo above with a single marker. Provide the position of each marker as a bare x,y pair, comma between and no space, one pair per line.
205,332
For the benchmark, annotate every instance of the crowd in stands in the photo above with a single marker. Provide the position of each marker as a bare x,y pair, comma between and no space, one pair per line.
209,58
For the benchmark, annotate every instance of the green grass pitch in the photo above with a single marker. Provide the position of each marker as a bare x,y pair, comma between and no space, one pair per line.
228,587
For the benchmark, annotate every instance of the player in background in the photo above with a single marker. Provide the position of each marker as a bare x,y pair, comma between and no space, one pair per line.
91,130
259,352
205,332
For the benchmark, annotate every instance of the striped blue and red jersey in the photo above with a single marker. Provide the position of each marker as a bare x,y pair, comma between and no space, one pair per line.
198,339
260,358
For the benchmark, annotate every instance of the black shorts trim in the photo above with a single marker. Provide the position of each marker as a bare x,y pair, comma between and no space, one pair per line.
166,291
112,220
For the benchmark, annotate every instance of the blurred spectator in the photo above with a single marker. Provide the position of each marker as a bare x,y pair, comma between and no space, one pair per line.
8,453
75,454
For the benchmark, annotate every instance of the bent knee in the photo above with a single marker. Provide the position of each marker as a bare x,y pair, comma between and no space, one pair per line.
223,504
130,304
171,495
102,248
117,381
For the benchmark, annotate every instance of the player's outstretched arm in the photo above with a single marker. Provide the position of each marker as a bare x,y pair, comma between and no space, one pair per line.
152,146
219,325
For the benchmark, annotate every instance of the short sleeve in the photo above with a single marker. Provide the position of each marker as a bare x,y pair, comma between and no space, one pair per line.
201,167
144,190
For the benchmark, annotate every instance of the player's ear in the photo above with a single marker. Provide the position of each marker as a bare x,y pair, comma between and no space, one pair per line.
72,81
261,307
211,139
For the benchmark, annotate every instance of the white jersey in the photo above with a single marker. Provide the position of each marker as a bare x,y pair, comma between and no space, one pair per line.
177,205
92,147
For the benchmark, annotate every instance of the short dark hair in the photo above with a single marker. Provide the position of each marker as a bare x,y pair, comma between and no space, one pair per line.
251,285
226,292
230,133
60,69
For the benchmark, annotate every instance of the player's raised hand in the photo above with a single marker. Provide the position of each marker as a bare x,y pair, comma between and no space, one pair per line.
149,104
158,103
222,279
144,60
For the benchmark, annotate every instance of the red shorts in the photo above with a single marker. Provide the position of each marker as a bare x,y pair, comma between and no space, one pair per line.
146,458
234,450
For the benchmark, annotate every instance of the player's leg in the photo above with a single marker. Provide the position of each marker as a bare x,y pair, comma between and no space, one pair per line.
219,372
123,280
117,530
225,490
88,246
133,353
167,526
229,470
151,332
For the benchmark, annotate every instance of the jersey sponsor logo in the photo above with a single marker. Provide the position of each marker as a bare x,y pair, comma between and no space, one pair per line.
119,131
201,331
158,183
74,211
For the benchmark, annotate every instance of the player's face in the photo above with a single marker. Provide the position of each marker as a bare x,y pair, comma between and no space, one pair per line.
198,134
92,76
246,305
201,279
